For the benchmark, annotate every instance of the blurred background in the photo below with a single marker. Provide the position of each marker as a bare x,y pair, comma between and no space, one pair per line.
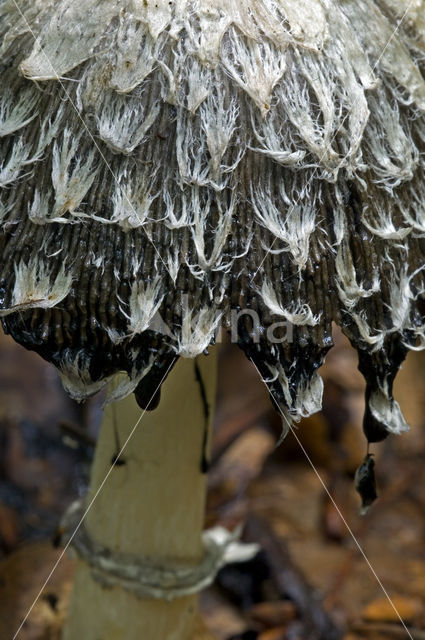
311,580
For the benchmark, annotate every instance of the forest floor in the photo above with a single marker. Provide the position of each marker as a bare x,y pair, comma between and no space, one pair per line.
324,572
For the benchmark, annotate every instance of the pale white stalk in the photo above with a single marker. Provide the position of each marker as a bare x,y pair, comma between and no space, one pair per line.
152,506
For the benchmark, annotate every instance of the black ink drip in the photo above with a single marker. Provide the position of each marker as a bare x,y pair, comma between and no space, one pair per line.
365,482
205,464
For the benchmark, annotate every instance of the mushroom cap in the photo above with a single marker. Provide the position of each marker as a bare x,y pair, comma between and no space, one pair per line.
170,168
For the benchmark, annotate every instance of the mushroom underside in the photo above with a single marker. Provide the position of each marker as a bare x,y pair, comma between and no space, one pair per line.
156,187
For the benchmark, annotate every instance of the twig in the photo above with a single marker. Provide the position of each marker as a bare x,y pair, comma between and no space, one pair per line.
77,433
291,582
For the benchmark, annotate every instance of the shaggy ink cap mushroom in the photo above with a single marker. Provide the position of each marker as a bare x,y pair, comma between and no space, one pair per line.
171,168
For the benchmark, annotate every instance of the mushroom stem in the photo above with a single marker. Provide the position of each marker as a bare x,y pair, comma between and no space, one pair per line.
151,506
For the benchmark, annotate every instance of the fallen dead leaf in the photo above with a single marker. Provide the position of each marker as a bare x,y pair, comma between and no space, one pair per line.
221,617
381,610
386,631
22,575
273,634
273,614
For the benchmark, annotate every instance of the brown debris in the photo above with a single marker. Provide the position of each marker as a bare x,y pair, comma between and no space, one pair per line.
274,613
21,576
291,582
382,610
